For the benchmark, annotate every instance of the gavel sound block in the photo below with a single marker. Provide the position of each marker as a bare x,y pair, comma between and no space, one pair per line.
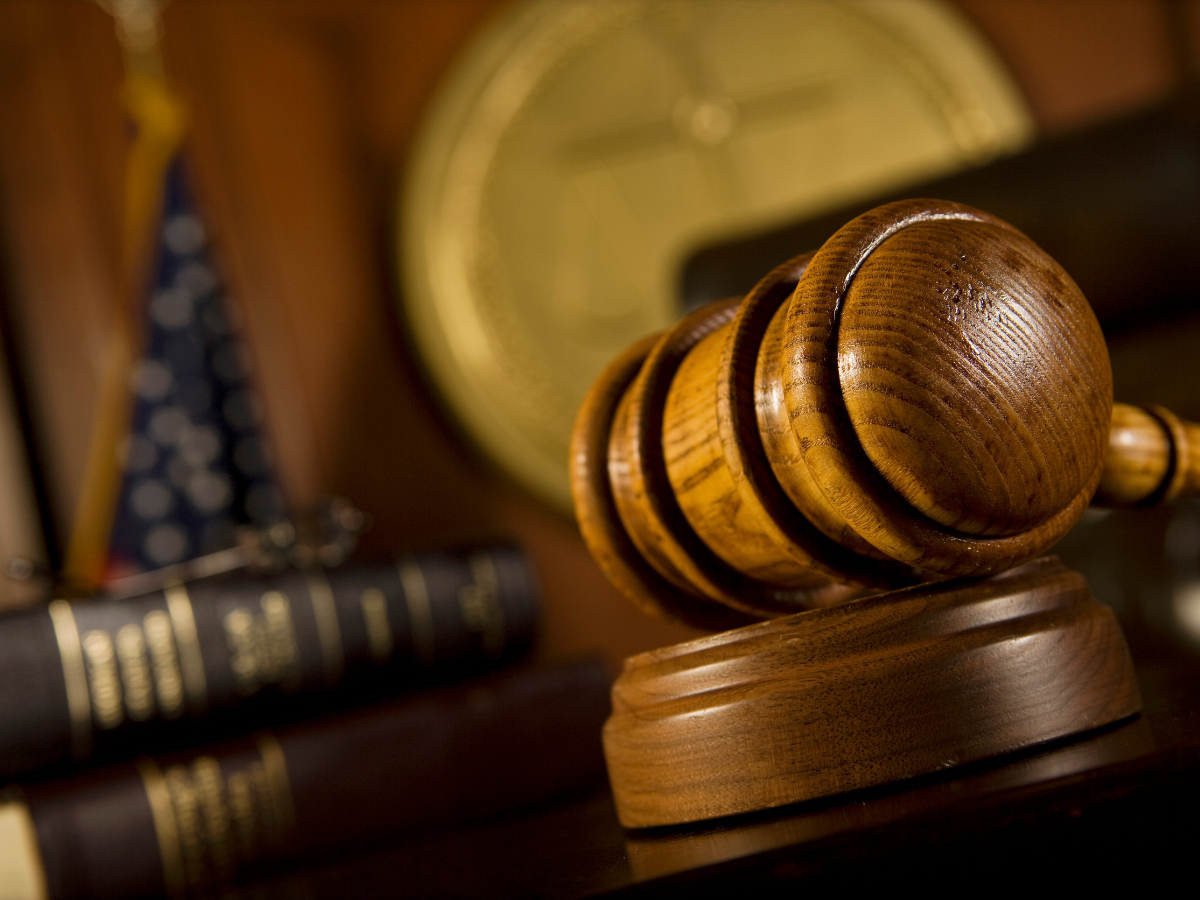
922,404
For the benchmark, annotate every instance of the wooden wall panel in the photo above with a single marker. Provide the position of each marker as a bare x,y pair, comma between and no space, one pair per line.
1081,60
61,158
303,112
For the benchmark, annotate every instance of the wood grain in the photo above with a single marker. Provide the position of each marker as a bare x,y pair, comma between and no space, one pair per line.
601,525
1152,457
951,342
648,507
933,400
726,479
870,692
787,469
707,459
637,470
890,501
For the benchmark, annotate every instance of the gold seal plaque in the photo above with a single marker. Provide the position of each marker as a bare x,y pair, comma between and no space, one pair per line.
580,150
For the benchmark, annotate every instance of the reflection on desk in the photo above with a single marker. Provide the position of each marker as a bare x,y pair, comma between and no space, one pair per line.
654,855
1117,796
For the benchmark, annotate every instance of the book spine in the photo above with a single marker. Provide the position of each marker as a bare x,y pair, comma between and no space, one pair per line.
197,824
86,679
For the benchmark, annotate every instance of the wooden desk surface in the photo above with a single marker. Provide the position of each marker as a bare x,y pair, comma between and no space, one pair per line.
1119,800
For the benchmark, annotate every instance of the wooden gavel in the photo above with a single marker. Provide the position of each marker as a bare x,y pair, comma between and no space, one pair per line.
928,395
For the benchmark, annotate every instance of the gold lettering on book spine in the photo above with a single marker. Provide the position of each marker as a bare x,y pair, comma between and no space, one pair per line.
279,653
191,660
380,641
420,617
279,788
243,811
243,661
213,818
135,672
479,604
79,705
163,815
216,817
185,804
262,647
329,633
104,680
164,661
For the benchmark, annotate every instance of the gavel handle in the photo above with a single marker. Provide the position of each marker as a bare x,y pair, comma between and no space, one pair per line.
1153,456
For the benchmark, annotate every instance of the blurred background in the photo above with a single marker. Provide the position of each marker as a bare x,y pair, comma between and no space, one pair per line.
308,120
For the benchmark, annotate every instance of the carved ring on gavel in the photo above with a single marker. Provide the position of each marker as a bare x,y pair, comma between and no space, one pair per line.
928,395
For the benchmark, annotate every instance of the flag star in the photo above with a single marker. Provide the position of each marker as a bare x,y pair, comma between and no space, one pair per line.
172,308
195,463
184,234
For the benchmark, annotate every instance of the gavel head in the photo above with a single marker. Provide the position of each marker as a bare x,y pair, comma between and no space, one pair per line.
927,395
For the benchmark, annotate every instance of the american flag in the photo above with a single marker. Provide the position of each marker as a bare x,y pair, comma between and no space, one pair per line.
195,462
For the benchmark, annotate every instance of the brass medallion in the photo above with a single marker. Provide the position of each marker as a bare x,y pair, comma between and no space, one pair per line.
579,151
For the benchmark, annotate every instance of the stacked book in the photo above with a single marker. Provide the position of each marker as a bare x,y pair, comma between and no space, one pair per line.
186,740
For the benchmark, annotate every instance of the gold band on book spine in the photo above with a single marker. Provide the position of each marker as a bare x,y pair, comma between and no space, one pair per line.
22,873
275,764
420,617
191,660
214,816
79,706
484,611
329,633
165,828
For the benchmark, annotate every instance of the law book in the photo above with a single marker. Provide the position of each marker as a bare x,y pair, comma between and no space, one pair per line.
93,679
200,823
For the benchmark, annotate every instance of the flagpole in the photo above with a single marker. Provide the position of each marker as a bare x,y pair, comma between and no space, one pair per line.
160,121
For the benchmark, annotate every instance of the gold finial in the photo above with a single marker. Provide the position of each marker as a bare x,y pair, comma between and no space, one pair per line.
161,121
139,23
